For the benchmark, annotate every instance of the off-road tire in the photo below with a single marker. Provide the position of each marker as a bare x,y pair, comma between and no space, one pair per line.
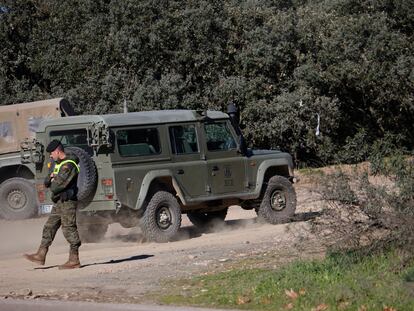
162,217
92,233
280,191
87,178
207,220
18,199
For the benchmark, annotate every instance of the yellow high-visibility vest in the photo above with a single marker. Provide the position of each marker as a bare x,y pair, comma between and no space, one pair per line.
56,169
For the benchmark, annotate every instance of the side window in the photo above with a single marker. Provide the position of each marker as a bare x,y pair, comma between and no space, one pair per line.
183,139
6,131
33,123
138,142
75,138
219,137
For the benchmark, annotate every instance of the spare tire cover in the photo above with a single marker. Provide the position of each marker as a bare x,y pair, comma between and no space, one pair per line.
87,178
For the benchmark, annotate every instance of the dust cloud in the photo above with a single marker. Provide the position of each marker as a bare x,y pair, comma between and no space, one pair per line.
237,218
22,236
117,233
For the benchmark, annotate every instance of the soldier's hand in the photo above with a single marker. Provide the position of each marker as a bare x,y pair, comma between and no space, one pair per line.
55,198
63,196
47,182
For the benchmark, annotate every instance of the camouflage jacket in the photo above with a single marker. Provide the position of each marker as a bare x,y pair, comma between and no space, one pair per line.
65,180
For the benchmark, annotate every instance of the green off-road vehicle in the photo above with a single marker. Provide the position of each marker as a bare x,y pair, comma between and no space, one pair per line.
19,122
148,168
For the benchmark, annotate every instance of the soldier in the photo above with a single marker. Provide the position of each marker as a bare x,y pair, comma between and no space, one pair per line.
63,185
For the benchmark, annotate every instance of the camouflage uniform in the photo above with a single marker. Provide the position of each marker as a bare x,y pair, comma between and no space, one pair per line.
63,188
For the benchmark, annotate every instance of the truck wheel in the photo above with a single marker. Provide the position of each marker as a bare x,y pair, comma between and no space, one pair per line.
279,201
162,217
87,178
92,233
18,199
207,220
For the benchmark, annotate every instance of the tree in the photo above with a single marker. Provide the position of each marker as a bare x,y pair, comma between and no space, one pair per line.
282,62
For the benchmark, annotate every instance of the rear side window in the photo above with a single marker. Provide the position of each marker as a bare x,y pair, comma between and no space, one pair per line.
183,139
73,138
138,142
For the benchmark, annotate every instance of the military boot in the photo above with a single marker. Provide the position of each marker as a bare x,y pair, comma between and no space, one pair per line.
39,257
73,261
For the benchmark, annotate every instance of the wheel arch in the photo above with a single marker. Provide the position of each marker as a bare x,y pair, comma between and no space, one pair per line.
271,168
155,181
11,171
282,170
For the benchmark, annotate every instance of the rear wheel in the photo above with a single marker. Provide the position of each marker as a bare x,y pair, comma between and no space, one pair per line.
162,217
18,199
207,220
279,201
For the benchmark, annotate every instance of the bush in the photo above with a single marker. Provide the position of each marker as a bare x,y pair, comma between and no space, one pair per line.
369,207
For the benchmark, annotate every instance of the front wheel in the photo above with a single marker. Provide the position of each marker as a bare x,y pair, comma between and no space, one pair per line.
18,199
162,217
279,201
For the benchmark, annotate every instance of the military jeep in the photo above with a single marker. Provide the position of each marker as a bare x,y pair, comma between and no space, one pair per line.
148,168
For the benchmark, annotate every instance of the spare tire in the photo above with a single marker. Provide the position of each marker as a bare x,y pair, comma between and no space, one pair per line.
88,176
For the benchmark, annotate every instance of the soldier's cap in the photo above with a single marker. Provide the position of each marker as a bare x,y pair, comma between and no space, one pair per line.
53,145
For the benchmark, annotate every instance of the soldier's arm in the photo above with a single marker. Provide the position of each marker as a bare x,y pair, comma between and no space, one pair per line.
66,173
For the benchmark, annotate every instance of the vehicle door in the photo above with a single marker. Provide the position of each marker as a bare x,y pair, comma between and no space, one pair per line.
189,166
139,151
225,165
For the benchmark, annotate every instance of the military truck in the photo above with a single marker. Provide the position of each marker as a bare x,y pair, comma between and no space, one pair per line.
18,122
148,168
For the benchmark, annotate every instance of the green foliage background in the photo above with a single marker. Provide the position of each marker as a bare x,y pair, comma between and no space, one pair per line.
283,62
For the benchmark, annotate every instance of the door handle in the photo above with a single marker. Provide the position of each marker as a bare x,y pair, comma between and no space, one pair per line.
129,183
215,169
180,172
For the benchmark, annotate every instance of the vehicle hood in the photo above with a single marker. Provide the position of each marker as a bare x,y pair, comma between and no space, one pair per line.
264,151
272,154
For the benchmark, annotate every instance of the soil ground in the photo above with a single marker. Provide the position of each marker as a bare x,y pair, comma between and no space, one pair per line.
123,269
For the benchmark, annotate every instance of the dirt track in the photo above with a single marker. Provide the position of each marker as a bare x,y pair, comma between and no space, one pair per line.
122,269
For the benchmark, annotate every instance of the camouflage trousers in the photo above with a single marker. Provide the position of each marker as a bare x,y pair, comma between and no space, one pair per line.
63,214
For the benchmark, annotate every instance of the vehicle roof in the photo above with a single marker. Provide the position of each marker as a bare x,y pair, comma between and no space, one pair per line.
134,118
19,121
49,103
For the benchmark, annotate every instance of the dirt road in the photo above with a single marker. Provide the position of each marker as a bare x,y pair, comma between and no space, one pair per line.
123,269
